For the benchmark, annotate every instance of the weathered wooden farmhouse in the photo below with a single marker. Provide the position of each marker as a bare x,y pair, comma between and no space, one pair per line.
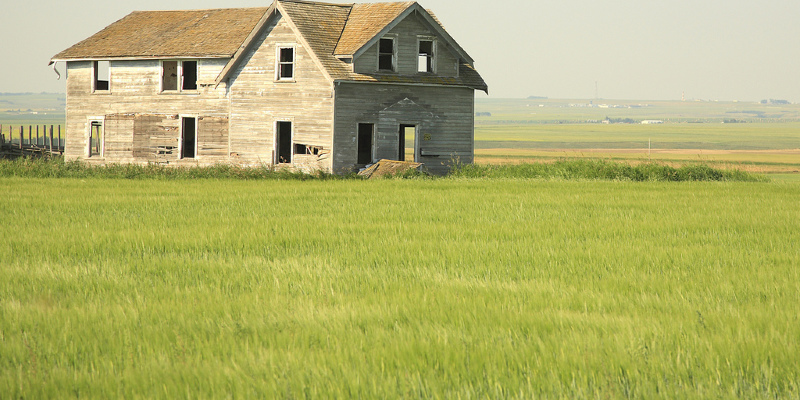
307,84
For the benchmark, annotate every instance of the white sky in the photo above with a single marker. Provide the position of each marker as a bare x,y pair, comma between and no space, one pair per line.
630,49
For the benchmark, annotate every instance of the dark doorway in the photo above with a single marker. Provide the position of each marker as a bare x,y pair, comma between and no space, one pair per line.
283,142
365,143
188,137
406,132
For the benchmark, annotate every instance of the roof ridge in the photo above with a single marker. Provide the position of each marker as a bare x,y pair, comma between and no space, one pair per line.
198,9
322,3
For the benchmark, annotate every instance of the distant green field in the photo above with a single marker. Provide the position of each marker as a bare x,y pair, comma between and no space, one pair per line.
765,138
398,288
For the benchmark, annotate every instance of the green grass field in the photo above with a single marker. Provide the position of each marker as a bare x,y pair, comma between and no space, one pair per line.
469,288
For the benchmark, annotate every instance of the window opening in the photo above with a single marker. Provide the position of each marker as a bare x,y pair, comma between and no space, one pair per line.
189,75
283,141
426,56
365,132
169,78
188,137
286,63
307,149
102,74
386,54
407,132
96,139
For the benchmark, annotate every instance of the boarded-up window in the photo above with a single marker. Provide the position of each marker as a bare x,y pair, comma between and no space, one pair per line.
386,60
102,75
286,63
426,58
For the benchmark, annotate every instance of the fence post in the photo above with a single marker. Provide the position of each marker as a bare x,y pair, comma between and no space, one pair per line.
60,145
51,138
21,136
30,136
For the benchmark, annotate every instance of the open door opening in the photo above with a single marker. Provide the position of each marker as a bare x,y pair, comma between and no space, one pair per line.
407,132
188,137
365,146
283,142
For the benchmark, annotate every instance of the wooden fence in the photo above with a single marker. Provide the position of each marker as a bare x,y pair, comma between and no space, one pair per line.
15,141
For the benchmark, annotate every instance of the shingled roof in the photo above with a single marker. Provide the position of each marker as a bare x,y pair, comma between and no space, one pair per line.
153,34
330,30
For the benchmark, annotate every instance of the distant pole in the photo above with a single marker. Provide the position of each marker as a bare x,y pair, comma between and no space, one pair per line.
51,138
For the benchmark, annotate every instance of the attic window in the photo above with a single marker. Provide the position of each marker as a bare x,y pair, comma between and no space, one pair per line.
426,60
386,59
285,63
172,70
102,75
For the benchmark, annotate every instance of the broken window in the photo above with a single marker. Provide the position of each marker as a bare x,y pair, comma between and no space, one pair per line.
365,133
188,137
169,75
189,75
306,149
426,59
283,142
386,60
95,141
171,70
286,63
102,75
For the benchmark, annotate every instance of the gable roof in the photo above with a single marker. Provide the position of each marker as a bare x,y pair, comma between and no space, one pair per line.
365,22
157,34
328,30
340,35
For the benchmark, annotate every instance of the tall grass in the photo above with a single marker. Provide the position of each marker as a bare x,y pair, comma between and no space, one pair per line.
566,169
500,288
605,170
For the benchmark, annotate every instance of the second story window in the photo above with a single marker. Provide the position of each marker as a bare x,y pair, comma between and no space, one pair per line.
102,76
285,70
386,57
178,75
427,58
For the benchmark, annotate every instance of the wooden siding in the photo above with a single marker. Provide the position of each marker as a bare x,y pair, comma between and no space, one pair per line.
407,33
258,101
135,89
444,117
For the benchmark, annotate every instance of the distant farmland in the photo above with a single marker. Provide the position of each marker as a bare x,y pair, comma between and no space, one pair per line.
754,137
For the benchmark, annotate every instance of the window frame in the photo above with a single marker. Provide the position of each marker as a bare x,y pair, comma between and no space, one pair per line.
95,76
394,39
434,54
180,76
101,138
279,63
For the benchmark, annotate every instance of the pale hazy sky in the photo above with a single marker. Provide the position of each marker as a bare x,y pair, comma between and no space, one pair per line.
631,49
